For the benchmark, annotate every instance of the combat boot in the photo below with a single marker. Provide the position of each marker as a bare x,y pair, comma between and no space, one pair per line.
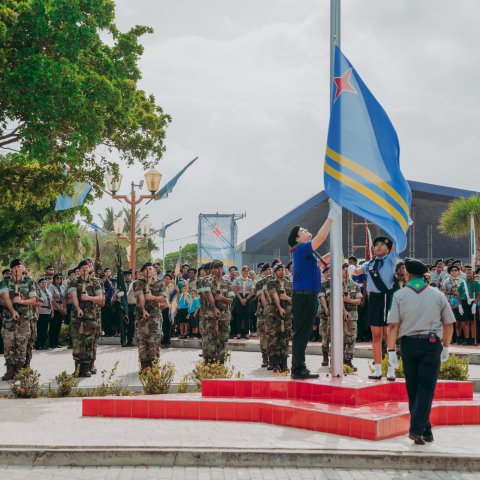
270,363
264,360
85,370
10,373
27,362
284,365
93,368
325,360
350,364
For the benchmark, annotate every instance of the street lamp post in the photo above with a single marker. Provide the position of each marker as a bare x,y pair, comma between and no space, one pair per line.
152,178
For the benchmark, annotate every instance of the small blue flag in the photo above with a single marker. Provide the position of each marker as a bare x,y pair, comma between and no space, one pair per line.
162,232
80,192
362,167
168,188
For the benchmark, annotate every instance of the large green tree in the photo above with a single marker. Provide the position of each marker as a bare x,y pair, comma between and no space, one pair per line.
69,85
189,255
455,221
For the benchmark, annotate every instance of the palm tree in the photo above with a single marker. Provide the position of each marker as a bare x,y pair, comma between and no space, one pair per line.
65,241
138,219
109,218
455,221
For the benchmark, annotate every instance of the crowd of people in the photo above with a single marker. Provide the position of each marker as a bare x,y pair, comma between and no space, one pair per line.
209,303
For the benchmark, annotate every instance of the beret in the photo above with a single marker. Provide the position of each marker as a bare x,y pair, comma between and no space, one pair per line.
275,261
260,265
127,272
57,275
416,267
83,263
265,267
217,264
292,236
278,266
7,270
288,265
16,263
387,241
146,265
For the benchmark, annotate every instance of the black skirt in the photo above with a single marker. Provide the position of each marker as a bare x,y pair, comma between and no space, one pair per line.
182,315
377,309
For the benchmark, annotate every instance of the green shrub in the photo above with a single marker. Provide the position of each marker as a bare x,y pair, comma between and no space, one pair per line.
211,371
25,384
66,382
157,378
454,368
184,384
109,386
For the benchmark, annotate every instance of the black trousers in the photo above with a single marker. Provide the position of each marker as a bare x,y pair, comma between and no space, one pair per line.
42,329
242,318
303,311
107,313
166,326
54,325
421,364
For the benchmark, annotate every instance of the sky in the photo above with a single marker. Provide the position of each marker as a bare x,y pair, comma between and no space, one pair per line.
247,85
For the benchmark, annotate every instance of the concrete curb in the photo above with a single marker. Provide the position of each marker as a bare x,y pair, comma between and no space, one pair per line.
115,456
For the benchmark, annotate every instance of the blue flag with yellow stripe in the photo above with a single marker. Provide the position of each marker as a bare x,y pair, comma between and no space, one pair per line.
80,192
362,166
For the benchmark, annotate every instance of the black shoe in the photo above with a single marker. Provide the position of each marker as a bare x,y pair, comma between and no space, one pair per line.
428,437
417,439
304,374
375,377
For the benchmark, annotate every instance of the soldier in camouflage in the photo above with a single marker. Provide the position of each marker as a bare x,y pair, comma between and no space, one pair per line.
86,293
219,293
325,318
203,276
19,295
98,315
279,322
151,298
33,324
352,297
263,305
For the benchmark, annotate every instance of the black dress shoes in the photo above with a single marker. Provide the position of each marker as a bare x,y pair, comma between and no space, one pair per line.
428,437
417,439
304,375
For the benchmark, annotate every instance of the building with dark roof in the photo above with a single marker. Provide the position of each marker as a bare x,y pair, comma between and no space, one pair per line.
424,239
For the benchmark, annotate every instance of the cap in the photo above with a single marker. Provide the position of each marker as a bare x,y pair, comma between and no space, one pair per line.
292,236
387,241
415,267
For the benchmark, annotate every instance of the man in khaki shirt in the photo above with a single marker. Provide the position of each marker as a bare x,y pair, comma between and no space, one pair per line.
421,317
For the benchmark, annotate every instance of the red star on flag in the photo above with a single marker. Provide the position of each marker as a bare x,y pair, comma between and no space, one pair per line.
343,84
216,232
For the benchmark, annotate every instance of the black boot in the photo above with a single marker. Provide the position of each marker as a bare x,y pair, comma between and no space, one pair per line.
284,365
270,363
264,360
10,373
325,360
85,370
93,368
350,364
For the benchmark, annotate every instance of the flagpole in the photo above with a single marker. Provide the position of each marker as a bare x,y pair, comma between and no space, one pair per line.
163,247
473,254
336,244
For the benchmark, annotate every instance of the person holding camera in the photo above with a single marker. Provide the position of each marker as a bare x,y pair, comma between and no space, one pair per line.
421,317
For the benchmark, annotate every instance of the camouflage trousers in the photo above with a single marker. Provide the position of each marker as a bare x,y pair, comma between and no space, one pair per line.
32,340
262,333
279,331
215,337
148,334
83,331
15,334
349,335
325,326
98,333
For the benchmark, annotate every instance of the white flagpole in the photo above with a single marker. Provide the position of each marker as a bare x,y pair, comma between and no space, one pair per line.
473,245
336,256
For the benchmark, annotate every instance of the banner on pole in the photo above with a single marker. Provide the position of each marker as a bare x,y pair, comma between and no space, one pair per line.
217,238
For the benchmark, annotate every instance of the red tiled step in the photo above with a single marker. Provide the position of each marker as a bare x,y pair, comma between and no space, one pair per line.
373,422
351,391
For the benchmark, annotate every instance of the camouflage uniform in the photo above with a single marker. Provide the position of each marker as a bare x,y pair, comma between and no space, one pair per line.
262,314
279,328
148,331
84,329
217,330
33,329
352,290
325,321
16,333
201,283
98,330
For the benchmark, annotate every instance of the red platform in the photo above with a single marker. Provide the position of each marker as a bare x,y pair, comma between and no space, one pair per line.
348,406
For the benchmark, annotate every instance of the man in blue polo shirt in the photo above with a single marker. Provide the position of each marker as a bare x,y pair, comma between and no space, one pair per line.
306,287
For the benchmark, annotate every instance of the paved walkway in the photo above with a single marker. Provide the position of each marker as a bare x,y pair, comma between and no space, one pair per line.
204,473
51,362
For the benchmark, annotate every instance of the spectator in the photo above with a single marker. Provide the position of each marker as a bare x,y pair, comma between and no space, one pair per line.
243,288
45,315
182,313
59,310
193,314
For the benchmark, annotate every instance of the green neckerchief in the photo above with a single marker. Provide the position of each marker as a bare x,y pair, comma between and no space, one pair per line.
417,284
